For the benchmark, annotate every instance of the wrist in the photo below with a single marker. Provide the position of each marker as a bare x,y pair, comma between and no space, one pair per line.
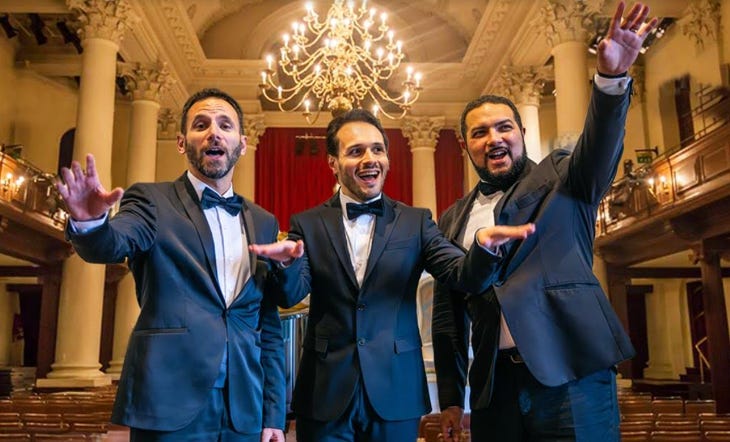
621,75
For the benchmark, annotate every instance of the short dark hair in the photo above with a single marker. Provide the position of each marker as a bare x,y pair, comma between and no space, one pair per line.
354,115
494,99
208,93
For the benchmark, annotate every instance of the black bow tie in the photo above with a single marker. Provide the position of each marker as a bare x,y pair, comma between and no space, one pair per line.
487,189
231,204
372,208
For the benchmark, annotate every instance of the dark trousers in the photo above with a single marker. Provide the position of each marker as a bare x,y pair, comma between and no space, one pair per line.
212,424
523,410
359,423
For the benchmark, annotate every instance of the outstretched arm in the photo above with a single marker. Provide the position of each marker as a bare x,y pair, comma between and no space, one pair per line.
284,251
85,197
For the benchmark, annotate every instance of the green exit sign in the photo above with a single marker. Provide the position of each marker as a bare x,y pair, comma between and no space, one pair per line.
643,158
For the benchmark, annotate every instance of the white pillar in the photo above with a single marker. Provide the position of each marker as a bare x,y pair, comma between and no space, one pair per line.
565,24
82,286
524,86
6,325
244,175
145,83
422,134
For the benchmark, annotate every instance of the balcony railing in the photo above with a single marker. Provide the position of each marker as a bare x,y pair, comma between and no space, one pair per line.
28,189
698,166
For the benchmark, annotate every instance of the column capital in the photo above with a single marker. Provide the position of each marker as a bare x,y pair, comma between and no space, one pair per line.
523,84
567,20
702,22
147,81
167,123
253,128
422,131
104,19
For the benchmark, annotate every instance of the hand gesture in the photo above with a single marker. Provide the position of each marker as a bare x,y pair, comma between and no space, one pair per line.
284,251
619,49
84,195
451,423
272,435
495,236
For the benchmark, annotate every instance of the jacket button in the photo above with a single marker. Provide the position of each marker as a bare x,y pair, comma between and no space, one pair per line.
361,341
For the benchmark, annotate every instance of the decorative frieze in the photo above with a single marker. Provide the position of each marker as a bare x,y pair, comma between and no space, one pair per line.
702,22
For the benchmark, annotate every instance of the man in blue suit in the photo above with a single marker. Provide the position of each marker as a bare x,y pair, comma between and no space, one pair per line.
361,375
545,337
205,360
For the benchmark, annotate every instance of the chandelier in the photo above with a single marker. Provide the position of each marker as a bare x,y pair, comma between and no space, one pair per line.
337,63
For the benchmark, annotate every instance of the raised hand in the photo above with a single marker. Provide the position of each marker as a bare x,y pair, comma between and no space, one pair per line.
620,47
284,251
82,192
495,236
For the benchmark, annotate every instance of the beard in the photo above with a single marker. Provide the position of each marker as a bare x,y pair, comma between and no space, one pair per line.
212,171
503,180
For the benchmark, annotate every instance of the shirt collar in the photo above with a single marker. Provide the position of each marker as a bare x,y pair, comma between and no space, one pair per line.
199,186
344,199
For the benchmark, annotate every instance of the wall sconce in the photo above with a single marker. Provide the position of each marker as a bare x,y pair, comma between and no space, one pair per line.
11,185
663,183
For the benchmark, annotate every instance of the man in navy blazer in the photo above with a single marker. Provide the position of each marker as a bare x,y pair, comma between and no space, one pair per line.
205,360
544,336
361,376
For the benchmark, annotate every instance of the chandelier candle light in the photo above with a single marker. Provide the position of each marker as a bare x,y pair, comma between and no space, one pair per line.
339,62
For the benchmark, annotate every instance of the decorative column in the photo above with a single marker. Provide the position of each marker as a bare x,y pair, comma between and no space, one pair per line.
82,287
566,24
422,134
524,86
170,163
244,175
146,84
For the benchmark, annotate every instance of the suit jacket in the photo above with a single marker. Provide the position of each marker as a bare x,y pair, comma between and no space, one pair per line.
559,317
175,350
371,332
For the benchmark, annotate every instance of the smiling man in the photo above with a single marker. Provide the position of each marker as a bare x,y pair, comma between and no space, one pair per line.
361,376
544,335
205,361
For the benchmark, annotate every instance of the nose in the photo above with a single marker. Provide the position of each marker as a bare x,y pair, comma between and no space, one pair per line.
214,132
368,156
493,138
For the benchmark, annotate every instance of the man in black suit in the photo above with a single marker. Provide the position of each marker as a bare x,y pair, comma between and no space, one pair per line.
545,337
205,360
361,375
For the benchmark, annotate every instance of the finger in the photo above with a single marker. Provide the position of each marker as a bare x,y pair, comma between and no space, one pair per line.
78,173
90,165
298,249
68,177
112,197
647,28
61,188
616,20
630,22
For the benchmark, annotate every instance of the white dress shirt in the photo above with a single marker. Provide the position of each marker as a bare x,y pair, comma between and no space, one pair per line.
359,234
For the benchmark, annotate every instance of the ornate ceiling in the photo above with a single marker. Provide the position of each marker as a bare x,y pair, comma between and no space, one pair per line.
459,45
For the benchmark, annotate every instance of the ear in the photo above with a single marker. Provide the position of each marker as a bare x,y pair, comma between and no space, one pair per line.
244,144
181,143
332,163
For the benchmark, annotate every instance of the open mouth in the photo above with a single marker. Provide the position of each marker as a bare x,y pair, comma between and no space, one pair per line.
215,152
498,153
368,176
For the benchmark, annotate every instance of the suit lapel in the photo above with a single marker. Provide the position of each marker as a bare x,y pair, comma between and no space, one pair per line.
250,229
190,203
383,230
462,210
332,223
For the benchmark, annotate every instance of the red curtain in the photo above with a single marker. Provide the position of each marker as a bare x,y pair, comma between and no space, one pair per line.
449,170
292,175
